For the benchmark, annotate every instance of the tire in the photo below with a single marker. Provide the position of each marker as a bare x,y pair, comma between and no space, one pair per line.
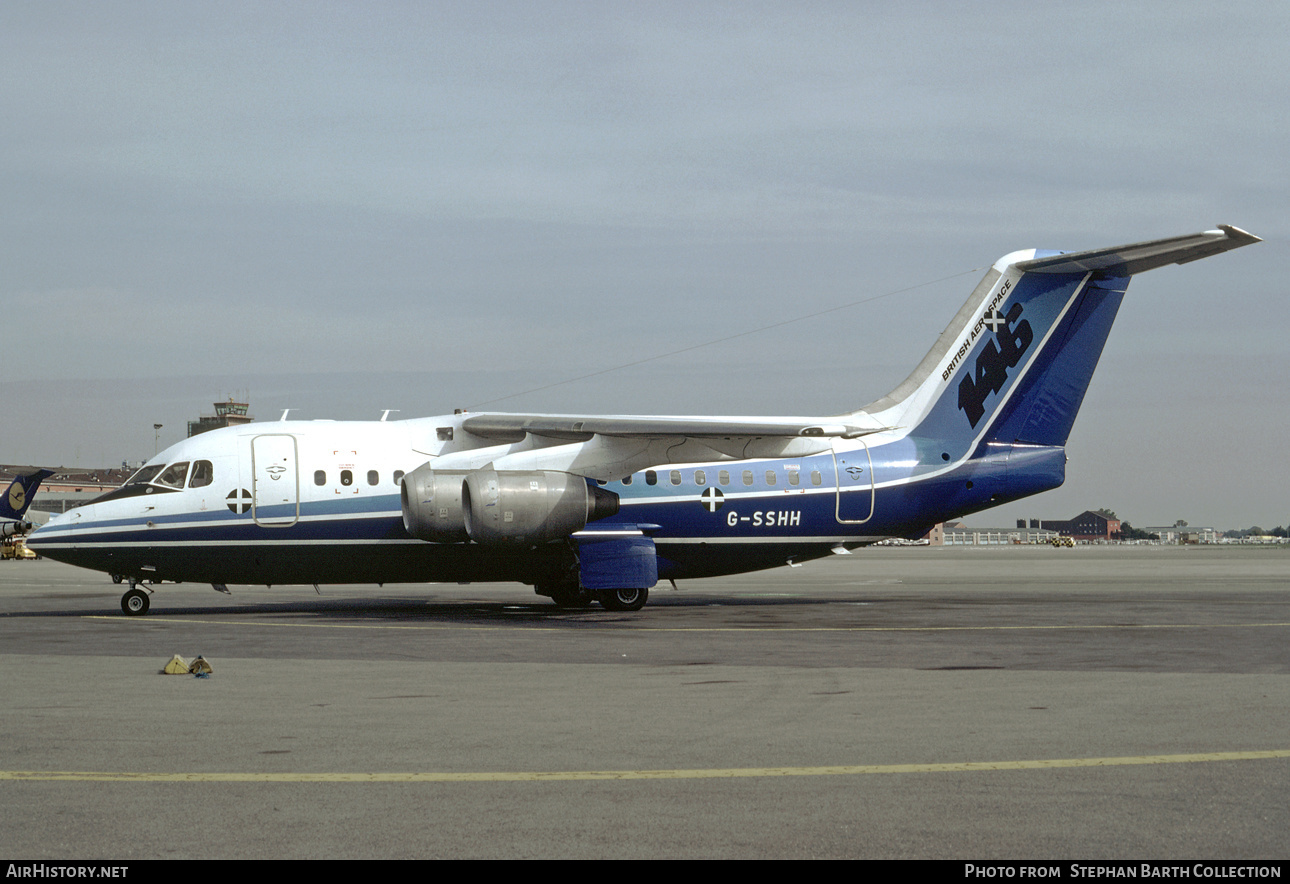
624,599
572,597
134,603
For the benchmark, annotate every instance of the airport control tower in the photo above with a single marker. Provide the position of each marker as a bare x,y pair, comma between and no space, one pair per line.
227,414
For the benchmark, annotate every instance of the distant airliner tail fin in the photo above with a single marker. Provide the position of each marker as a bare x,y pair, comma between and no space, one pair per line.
21,490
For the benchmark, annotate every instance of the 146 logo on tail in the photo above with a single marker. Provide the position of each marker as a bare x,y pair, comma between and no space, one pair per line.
1012,337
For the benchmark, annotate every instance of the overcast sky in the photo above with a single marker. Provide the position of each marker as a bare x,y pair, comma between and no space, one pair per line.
343,208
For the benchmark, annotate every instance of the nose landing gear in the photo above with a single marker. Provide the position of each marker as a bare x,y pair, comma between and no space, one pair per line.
135,602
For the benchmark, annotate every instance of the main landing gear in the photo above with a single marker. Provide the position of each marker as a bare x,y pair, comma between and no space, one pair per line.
623,599
571,597
570,593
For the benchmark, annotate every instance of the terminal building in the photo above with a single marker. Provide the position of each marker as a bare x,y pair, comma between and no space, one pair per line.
959,534
1090,526
1185,534
67,489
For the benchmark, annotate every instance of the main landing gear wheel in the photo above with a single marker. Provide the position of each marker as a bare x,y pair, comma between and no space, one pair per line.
135,603
571,597
624,599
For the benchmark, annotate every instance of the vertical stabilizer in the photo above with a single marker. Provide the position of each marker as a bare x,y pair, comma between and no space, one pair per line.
1014,364
21,490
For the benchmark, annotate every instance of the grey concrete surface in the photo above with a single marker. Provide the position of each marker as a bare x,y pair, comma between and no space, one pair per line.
742,696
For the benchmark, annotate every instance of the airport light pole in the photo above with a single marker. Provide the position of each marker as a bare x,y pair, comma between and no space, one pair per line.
156,438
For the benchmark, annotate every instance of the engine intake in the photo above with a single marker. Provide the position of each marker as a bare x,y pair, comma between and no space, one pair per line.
432,505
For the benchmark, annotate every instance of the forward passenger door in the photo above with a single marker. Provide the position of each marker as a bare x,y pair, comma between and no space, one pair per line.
275,480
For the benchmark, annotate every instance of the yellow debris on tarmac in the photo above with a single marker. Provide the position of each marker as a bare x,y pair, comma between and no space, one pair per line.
179,666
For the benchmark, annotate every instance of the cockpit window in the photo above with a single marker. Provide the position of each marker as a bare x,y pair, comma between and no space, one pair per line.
145,475
174,475
147,481
203,474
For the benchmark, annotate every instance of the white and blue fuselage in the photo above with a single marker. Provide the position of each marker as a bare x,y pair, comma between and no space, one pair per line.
602,507
332,513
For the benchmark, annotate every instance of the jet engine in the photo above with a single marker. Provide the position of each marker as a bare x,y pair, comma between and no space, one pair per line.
18,527
432,505
506,506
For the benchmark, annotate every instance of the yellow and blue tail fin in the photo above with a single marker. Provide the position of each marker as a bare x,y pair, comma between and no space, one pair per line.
18,496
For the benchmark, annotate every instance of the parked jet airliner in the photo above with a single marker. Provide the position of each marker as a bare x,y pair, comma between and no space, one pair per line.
18,497
600,508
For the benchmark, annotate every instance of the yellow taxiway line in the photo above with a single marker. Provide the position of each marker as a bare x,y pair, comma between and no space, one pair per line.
696,774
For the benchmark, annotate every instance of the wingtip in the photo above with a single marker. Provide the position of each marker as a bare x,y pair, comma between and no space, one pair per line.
1239,236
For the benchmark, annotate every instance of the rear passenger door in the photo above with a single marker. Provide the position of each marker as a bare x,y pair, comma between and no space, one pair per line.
853,471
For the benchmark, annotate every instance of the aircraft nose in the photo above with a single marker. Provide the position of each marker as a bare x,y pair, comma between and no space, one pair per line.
35,540
51,532
51,542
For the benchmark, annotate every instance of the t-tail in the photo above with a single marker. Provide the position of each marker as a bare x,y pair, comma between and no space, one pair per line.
21,490
1002,386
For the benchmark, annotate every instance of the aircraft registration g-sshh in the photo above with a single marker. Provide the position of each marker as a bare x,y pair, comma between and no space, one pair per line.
599,509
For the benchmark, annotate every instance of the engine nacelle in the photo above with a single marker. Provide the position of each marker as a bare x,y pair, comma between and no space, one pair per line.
530,506
432,505
19,527
488,506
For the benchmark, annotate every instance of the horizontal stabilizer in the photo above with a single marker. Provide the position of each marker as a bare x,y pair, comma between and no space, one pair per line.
1142,256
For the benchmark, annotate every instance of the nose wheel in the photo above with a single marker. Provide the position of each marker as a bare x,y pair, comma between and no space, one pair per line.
134,603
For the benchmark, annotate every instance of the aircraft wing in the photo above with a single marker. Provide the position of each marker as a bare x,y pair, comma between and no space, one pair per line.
1141,256
611,447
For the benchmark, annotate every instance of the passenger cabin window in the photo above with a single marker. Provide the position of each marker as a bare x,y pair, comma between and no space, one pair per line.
676,477
174,475
816,478
793,477
627,480
202,475
347,477
320,477
748,479
651,477
770,477
700,478
398,476
723,477
373,477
